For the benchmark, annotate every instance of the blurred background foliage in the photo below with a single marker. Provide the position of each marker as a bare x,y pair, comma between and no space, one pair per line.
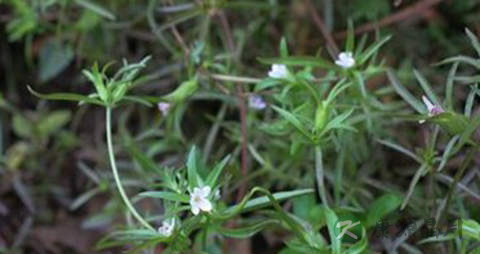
53,155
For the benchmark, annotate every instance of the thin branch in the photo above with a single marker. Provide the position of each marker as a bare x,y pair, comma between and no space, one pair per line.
332,46
179,37
242,107
394,18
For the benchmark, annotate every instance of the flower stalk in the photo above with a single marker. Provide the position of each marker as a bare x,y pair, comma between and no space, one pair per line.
118,182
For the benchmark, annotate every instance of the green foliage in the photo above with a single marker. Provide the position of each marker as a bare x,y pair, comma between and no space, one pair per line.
230,150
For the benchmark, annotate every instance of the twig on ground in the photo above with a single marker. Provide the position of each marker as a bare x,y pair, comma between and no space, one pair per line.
242,107
394,18
331,45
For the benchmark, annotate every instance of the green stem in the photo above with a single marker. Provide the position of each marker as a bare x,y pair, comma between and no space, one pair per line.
118,182
205,234
458,176
320,175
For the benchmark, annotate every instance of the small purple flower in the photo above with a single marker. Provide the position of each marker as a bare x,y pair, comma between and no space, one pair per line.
256,102
433,109
163,107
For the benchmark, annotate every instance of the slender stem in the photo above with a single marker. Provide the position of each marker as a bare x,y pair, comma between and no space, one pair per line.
118,182
213,132
458,176
205,234
320,175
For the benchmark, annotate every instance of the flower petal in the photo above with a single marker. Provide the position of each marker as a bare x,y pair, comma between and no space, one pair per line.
205,205
195,210
427,103
204,191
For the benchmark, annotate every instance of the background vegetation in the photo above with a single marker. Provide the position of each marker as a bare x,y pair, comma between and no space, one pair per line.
367,155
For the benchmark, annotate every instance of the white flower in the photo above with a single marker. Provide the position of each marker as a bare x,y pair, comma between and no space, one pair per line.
167,227
432,108
278,71
256,102
345,60
163,107
199,201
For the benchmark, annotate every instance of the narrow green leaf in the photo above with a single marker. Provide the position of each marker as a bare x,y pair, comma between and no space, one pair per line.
283,48
361,44
122,237
447,152
472,126
96,8
462,59
194,179
246,231
470,99
293,120
449,89
372,49
138,99
217,170
83,198
179,19
404,93
361,83
166,195
350,43
420,173
263,201
468,79
299,61
400,149
426,87
338,122
474,41
65,97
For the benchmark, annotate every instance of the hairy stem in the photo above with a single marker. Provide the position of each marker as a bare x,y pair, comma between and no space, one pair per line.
320,175
118,182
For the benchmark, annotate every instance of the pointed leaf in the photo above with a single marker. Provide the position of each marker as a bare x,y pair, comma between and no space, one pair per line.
65,97
293,120
172,196
213,176
299,61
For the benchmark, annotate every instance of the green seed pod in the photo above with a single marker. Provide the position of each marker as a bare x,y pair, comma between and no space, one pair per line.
451,122
183,91
119,91
321,116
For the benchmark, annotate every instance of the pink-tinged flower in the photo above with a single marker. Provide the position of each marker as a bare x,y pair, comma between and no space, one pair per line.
345,60
256,102
163,107
432,108
199,200
278,71
167,227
